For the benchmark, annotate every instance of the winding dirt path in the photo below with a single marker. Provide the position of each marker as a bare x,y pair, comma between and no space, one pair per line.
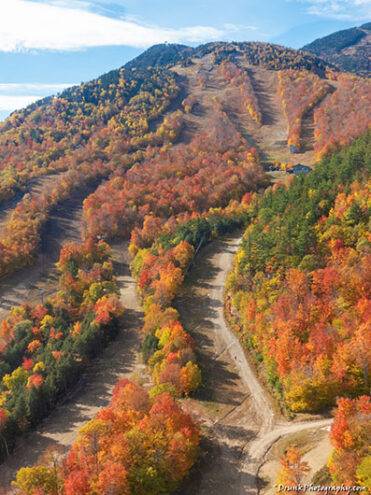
120,359
235,410
224,404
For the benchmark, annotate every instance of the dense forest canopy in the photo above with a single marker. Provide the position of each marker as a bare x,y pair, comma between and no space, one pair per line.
52,134
300,285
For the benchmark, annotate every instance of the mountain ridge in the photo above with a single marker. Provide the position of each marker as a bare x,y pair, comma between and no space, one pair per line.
134,98
348,49
268,55
165,55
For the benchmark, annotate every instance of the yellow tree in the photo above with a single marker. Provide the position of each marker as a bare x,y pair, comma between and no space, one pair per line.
293,470
31,479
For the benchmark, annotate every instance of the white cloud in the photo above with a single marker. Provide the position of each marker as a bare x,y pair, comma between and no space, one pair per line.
36,89
14,96
234,28
26,25
351,10
8,103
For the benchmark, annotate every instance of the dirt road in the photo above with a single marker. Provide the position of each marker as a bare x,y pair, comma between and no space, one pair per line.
120,359
239,422
224,404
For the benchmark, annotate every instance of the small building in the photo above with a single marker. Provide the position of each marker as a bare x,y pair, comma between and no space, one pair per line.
294,149
299,169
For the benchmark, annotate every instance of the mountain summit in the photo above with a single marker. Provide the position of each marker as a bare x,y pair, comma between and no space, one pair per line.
267,55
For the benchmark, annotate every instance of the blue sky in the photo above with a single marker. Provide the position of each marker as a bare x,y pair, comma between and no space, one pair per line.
46,45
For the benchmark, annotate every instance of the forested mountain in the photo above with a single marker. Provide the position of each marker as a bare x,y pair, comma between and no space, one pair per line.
48,134
179,147
106,125
349,49
266,55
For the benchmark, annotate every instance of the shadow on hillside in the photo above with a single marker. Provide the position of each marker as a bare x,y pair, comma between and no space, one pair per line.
200,311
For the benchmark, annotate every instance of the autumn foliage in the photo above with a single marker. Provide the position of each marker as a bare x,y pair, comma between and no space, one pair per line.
163,251
45,346
45,357
267,55
138,445
300,91
167,347
344,115
101,116
300,286
235,76
21,235
298,292
212,170
350,436
293,469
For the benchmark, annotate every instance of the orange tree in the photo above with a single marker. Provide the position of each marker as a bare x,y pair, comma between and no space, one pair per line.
138,445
